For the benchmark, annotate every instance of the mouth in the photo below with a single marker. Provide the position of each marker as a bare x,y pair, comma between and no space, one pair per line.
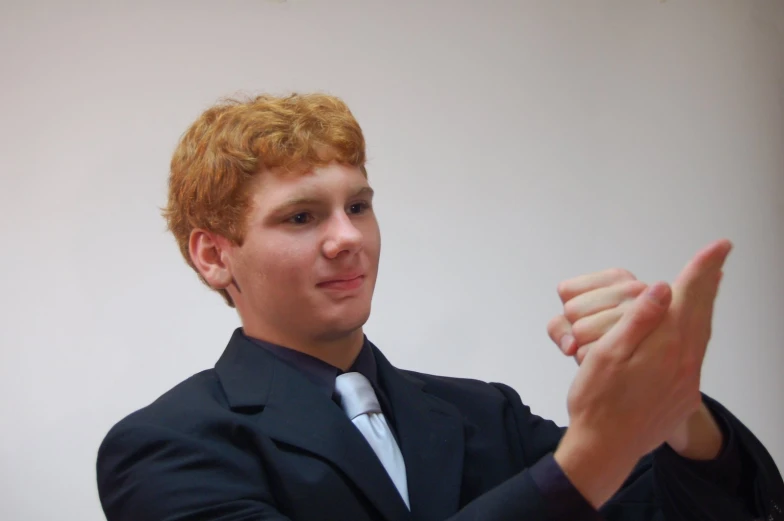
343,283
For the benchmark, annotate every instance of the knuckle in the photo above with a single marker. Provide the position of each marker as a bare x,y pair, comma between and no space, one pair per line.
622,274
642,314
580,331
632,288
600,355
571,311
604,355
555,327
563,289
585,330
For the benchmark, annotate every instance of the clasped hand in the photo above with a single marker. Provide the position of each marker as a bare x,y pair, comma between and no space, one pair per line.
640,348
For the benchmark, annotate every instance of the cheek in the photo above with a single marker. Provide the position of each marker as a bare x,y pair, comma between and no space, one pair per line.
372,238
272,269
290,266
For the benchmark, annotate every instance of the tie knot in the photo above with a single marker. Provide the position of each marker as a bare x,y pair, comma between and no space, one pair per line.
356,395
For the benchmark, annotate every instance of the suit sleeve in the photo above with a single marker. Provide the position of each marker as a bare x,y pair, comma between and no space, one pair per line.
516,499
152,473
519,498
742,484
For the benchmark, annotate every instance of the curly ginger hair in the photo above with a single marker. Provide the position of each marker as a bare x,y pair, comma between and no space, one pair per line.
234,141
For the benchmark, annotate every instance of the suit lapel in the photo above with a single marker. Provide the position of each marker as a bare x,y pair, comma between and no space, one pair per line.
296,413
432,443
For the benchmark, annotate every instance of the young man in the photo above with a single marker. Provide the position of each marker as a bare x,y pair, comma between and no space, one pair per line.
304,419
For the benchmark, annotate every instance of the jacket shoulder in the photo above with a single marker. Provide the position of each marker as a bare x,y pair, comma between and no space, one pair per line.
181,409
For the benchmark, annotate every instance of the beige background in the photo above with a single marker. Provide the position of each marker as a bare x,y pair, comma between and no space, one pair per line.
512,145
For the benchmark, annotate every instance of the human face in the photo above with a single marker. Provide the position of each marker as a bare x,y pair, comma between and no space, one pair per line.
307,267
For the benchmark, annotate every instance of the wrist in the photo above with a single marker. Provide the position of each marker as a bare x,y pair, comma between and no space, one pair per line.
596,467
699,437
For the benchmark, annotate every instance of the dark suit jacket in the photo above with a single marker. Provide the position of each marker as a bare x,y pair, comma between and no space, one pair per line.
253,439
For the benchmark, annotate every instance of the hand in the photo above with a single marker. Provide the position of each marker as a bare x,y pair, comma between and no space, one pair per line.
640,380
593,304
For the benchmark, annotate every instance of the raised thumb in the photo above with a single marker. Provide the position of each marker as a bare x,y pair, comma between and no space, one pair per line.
709,259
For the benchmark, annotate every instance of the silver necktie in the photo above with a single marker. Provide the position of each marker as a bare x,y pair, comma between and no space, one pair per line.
361,406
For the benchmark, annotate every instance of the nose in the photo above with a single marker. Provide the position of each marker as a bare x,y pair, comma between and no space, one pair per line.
342,237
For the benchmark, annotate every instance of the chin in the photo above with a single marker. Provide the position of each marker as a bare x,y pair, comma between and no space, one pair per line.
355,322
345,324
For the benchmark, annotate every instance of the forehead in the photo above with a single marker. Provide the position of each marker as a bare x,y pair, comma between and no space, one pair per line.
279,186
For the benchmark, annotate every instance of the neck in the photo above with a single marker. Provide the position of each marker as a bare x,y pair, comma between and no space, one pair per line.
339,352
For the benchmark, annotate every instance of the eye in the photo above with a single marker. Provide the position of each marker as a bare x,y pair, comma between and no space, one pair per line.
300,218
357,208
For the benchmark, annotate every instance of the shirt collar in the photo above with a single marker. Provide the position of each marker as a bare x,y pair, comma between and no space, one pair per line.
319,372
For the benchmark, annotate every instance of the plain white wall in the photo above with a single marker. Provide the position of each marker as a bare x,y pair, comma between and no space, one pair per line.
512,145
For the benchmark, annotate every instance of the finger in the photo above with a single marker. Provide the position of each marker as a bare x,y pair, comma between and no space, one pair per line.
645,314
709,258
569,289
593,327
560,331
582,352
594,301
716,284
712,283
587,331
695,289
703,315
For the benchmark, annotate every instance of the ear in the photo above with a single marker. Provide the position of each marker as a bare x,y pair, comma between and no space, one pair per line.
209,255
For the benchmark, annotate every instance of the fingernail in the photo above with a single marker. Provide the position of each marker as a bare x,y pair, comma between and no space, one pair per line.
566,343
658,293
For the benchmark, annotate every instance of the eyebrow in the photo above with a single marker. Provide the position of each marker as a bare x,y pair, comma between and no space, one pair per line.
364,191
